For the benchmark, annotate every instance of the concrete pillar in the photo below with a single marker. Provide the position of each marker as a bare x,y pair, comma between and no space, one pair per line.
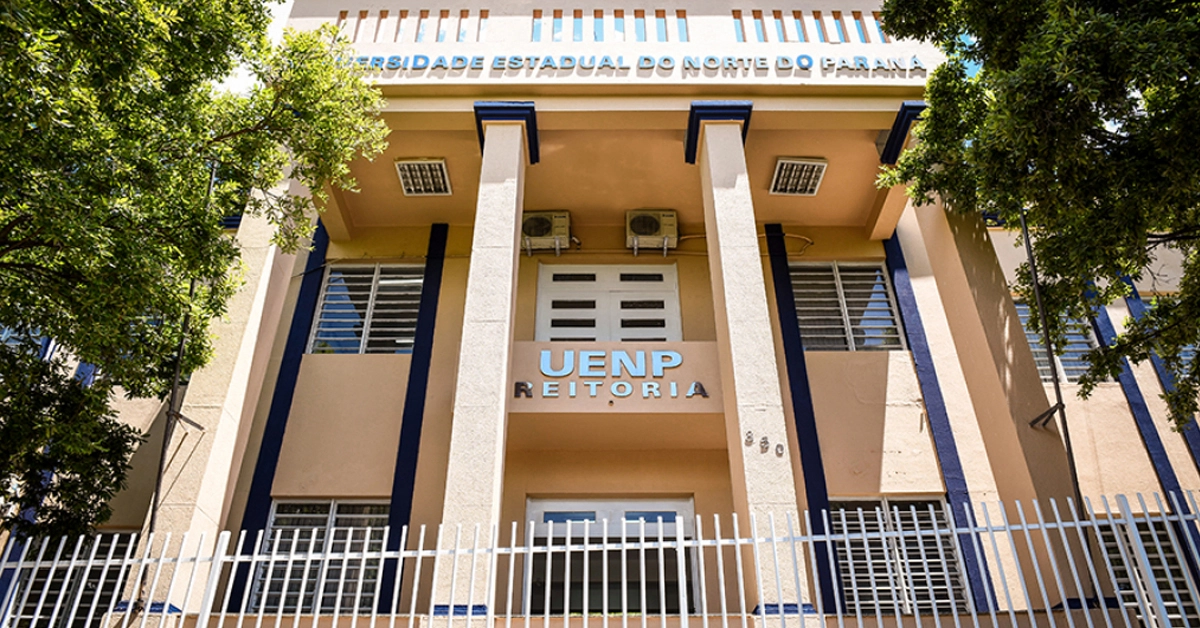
763,483
476,464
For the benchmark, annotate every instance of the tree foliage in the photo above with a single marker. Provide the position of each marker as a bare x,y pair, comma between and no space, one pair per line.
1085,115
121,155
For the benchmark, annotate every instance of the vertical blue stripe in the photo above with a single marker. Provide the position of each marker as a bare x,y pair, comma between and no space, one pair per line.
1141,413
1191,432
258,503
939,419
816,491
1105,331
405,476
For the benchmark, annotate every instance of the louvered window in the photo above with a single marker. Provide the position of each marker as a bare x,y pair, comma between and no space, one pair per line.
1124,544
605,303
845,307
887,567
321,527
1072,363
368,309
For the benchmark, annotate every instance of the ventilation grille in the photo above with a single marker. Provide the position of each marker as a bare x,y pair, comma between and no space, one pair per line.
797,177
424,177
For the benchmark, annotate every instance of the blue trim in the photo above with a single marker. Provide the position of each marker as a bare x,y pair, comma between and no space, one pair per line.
460,610
258,502
816,492
85,374
1141,412
725,110
521,111
789,608
1191,432
910,110
939,419
1105,331
47,349
404,479
231,222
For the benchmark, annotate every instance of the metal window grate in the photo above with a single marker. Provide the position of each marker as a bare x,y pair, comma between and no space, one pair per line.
885,572
326,527
842,307
1072,362
424,177
797,177
88,590
1124,544
368,309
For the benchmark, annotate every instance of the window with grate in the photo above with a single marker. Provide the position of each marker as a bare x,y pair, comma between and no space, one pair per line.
899,557
845,307
318,528
608,303
367,309
1162,543
1072,363
636,581
79,596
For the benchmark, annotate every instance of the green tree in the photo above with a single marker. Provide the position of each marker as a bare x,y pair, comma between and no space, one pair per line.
1085,115
119,156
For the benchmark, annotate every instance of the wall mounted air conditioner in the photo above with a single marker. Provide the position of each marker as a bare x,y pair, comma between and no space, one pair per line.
546,230
651,229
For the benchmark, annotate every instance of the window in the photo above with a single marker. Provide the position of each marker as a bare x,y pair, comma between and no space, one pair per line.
895,572
367,309
1121,542
660,23
537,25
681,22
801,32
650,578
605,303
321,527
845,307
1072,363
598,25
739,31
80,593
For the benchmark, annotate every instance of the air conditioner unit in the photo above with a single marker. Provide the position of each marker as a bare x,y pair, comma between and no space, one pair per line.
546,230
651,229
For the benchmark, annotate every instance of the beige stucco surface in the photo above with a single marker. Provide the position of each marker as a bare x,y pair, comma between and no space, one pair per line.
344,427
874,433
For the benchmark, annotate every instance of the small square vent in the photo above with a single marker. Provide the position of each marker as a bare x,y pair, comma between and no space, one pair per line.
423,177
798,176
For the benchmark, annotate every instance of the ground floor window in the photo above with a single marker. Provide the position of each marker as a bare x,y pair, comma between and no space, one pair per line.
80,589
1146,546
636,580
320,527
885,569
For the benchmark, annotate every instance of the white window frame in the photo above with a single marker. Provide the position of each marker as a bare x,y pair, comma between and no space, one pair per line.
895,556
848,325
611,511
607,292
323,564
368,315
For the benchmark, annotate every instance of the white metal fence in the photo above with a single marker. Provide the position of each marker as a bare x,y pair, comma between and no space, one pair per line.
1119,563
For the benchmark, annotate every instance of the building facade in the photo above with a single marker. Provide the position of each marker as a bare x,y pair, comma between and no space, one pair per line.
626,264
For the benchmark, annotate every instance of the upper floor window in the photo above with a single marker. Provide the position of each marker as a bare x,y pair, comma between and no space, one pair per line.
845,307
367,309
606,303
1072,363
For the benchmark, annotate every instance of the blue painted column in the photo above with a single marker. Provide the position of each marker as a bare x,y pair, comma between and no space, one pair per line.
258,503
1191,431
405,476
940,429
816,491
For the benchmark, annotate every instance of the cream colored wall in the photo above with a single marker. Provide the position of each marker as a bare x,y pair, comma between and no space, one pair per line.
871,420
870,415
998,365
